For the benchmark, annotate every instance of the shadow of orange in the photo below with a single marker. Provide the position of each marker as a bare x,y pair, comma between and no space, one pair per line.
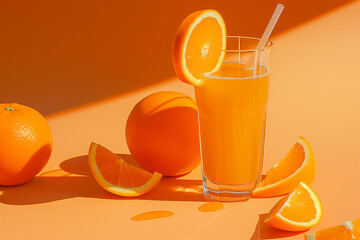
265,231
77,165
89,50
48,189
74,179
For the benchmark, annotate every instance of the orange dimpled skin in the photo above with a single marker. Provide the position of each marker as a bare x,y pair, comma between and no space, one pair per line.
162,133
25,143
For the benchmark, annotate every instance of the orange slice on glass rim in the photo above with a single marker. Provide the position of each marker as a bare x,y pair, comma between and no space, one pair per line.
298,165
200,32
299,210
117,176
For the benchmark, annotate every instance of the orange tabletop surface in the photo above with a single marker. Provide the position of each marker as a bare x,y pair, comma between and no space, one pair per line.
314,93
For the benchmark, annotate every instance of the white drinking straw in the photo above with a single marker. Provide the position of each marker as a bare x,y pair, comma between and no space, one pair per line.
268,30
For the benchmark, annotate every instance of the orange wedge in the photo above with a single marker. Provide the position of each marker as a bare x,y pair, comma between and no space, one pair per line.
349,230
199,32
298,165
299,210
117,176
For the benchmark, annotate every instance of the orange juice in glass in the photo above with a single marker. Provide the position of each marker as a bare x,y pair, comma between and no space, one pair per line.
232,105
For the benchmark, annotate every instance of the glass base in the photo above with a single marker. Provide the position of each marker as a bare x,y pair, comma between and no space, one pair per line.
227,193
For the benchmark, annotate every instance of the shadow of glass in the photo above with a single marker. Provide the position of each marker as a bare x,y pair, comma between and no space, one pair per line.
265,231
74,179
175,189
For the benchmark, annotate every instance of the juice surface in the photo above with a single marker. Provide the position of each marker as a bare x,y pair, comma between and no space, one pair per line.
232,113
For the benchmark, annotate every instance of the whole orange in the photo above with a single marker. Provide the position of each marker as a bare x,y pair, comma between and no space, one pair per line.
162,133
25,143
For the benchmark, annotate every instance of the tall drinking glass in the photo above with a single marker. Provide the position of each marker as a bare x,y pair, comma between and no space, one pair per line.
232,105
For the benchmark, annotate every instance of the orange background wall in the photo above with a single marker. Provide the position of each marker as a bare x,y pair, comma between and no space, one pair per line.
61,55
55,55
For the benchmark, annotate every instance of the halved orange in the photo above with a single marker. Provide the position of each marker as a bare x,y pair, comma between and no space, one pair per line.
298,165
200,32
299,210
117,176
349,230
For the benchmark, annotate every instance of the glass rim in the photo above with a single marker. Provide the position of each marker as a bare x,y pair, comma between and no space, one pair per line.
268,45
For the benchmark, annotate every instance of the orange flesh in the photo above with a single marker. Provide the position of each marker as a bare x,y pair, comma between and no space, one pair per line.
286,167
356,224
117,172
198,59
302,207
334,233
211,207
152,215
340,232
299,208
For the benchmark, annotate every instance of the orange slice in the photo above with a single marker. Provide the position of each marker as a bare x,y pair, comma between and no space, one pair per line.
117,176
199,32
349,230
299,210
298,165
